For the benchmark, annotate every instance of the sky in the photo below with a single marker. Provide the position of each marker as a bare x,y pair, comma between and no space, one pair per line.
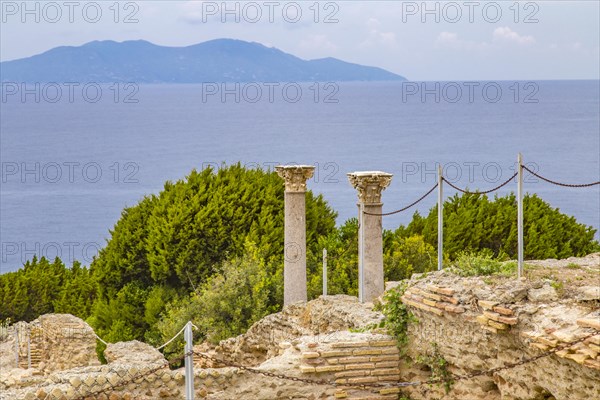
443,40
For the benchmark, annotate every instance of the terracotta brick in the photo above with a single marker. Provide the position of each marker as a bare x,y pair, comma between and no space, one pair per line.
428,302
563,336
442,290
346,374
441,305
367,352
508,320
341,394
588,351
306,369
594,339
349,344
353,360
389,378
455,309
492,315
366,379
385,358
451,300
389,391
338,353
383,343
482,319
432,296
350,367
390,371
592,364
589,323
391,350
329,368
503,310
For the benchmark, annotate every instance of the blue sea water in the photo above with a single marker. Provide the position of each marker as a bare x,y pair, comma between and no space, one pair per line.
70,165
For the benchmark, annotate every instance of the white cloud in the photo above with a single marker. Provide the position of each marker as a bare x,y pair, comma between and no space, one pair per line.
376,36
507,34
451,40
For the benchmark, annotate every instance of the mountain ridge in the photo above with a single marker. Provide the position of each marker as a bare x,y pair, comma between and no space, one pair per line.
217,60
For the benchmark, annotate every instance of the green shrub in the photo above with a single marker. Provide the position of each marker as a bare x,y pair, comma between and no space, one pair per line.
481,264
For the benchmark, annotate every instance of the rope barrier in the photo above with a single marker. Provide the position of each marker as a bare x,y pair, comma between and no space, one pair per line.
405,208
570,185
100,339
173,338
487,191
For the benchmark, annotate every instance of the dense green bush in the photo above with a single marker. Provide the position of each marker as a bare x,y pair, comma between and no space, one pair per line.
474,222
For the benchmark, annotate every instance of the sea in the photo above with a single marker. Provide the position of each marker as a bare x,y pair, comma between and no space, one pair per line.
74,155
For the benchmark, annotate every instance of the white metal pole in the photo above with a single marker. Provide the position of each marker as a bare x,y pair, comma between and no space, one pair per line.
189,361
324,272
440,218
29,350
361,259
520,214
17,346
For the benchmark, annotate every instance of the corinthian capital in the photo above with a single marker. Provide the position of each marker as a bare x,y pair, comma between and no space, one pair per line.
295,176
370,184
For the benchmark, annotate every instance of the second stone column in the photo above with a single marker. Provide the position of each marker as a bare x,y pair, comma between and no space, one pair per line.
370,184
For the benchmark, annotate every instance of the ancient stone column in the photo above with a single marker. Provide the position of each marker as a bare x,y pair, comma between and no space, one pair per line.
370,184
294,264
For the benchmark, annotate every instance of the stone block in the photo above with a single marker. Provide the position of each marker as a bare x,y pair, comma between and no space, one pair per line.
353,360
367,352
385,358
349,344
329,368
336,353
350,367
498,325
487,305
311,354
589,323
508,320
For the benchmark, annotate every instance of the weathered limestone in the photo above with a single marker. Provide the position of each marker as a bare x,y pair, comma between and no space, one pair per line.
370,184
294,266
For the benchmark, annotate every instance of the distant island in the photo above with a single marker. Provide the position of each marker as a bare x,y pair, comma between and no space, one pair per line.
220,60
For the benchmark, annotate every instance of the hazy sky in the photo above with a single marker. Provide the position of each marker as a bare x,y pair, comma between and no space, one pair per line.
446,40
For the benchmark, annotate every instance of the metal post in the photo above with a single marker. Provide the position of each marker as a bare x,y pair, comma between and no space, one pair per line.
440,218
520,214
361,251
29,350
17,346
324,272
189,361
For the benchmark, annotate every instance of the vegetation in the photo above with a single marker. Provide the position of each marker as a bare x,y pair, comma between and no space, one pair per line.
438,366
209,249
397,315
